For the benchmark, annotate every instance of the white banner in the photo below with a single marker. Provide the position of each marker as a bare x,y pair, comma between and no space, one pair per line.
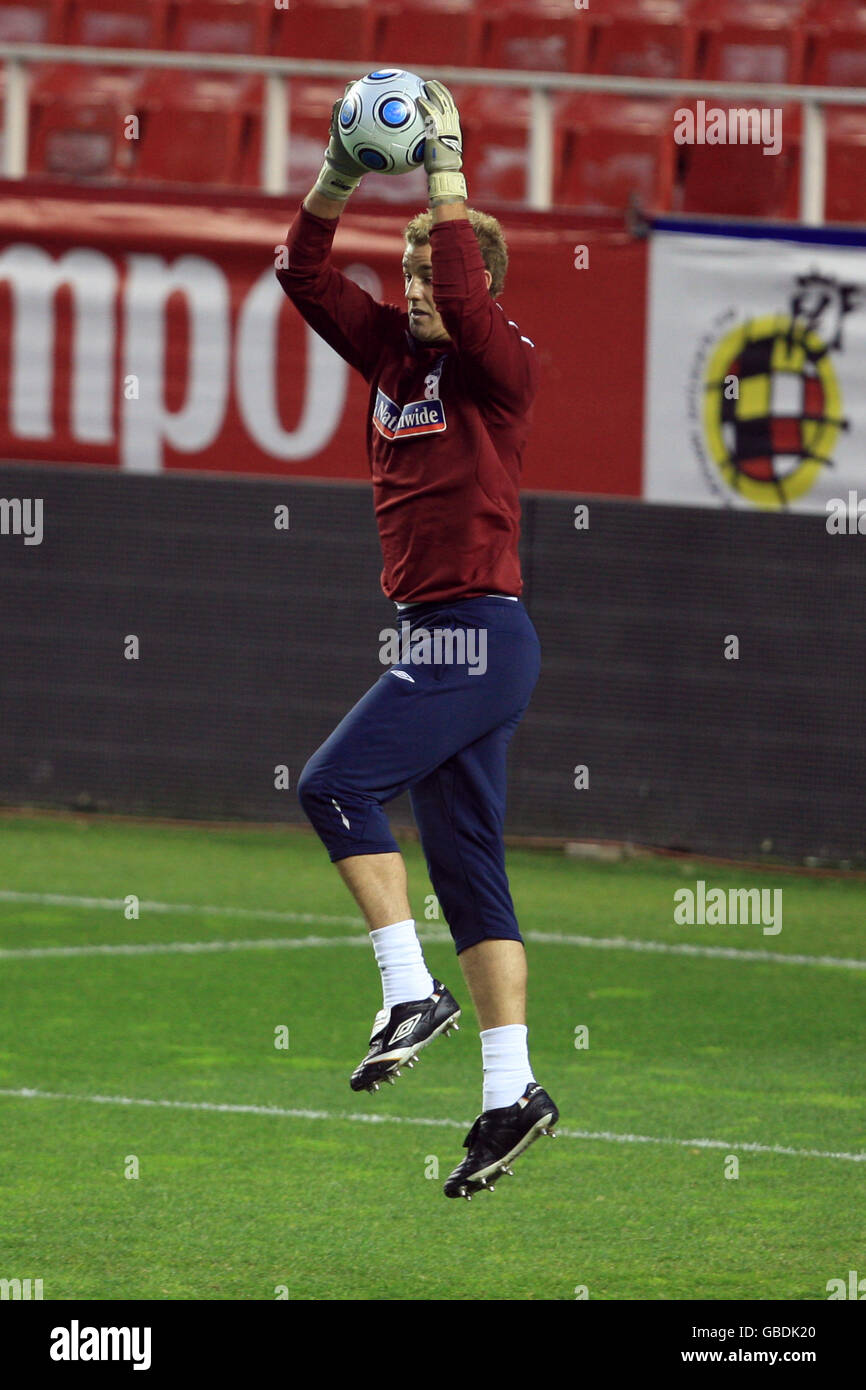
756,372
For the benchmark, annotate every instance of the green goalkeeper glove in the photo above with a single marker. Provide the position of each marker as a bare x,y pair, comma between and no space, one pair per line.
340,174
443,145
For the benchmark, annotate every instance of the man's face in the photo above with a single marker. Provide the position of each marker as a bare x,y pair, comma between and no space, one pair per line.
425,323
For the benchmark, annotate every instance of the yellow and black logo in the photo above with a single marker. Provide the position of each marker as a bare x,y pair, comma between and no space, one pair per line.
771,404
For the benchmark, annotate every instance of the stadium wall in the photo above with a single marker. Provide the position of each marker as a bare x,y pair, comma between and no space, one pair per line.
149,333
253,641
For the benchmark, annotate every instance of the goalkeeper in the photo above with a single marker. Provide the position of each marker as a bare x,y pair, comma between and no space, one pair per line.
452,382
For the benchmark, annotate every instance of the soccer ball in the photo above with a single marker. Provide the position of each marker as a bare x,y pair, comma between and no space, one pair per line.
381,124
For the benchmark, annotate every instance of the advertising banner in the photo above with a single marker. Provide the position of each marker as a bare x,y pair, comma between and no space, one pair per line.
149,334
756,363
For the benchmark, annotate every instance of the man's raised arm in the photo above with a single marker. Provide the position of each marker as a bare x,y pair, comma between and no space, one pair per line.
501,360
348,318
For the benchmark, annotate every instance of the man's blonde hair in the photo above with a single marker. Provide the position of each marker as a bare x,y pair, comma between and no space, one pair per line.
488,234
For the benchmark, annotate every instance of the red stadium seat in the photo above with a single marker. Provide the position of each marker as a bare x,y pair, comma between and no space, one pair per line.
200,128
495,143
428,33
644,38
607,150
78,113
310,104
614,152
837,44
740,180
846,164
116,23
341,29
77,121
206,127
546,37
219,26
31,21
822,12
762,41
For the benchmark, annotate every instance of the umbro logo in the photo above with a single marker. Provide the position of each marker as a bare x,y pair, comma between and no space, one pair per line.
404,1029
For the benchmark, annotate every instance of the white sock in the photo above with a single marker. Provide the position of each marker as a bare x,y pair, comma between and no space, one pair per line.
505,1058
405,977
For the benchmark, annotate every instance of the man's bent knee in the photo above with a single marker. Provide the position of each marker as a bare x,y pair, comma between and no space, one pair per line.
346,821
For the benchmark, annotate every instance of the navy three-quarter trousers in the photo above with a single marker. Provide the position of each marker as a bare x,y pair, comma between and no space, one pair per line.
437,722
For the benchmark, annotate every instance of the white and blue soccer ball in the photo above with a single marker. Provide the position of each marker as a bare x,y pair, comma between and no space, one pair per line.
381,124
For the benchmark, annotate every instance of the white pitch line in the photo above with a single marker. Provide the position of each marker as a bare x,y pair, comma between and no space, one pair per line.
193,948
672,948
599,943
289,943
264,914
603,1136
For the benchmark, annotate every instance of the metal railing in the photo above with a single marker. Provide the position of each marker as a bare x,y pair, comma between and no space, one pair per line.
542,86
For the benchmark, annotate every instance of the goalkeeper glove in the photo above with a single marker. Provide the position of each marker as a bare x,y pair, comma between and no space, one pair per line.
340,174
443,145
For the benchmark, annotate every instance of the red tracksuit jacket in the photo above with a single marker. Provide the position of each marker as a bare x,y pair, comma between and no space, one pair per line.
447,423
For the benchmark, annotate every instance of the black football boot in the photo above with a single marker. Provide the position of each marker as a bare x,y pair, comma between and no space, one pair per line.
399,1034
498,1137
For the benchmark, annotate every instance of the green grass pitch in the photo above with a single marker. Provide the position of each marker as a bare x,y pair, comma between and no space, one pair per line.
300,1188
